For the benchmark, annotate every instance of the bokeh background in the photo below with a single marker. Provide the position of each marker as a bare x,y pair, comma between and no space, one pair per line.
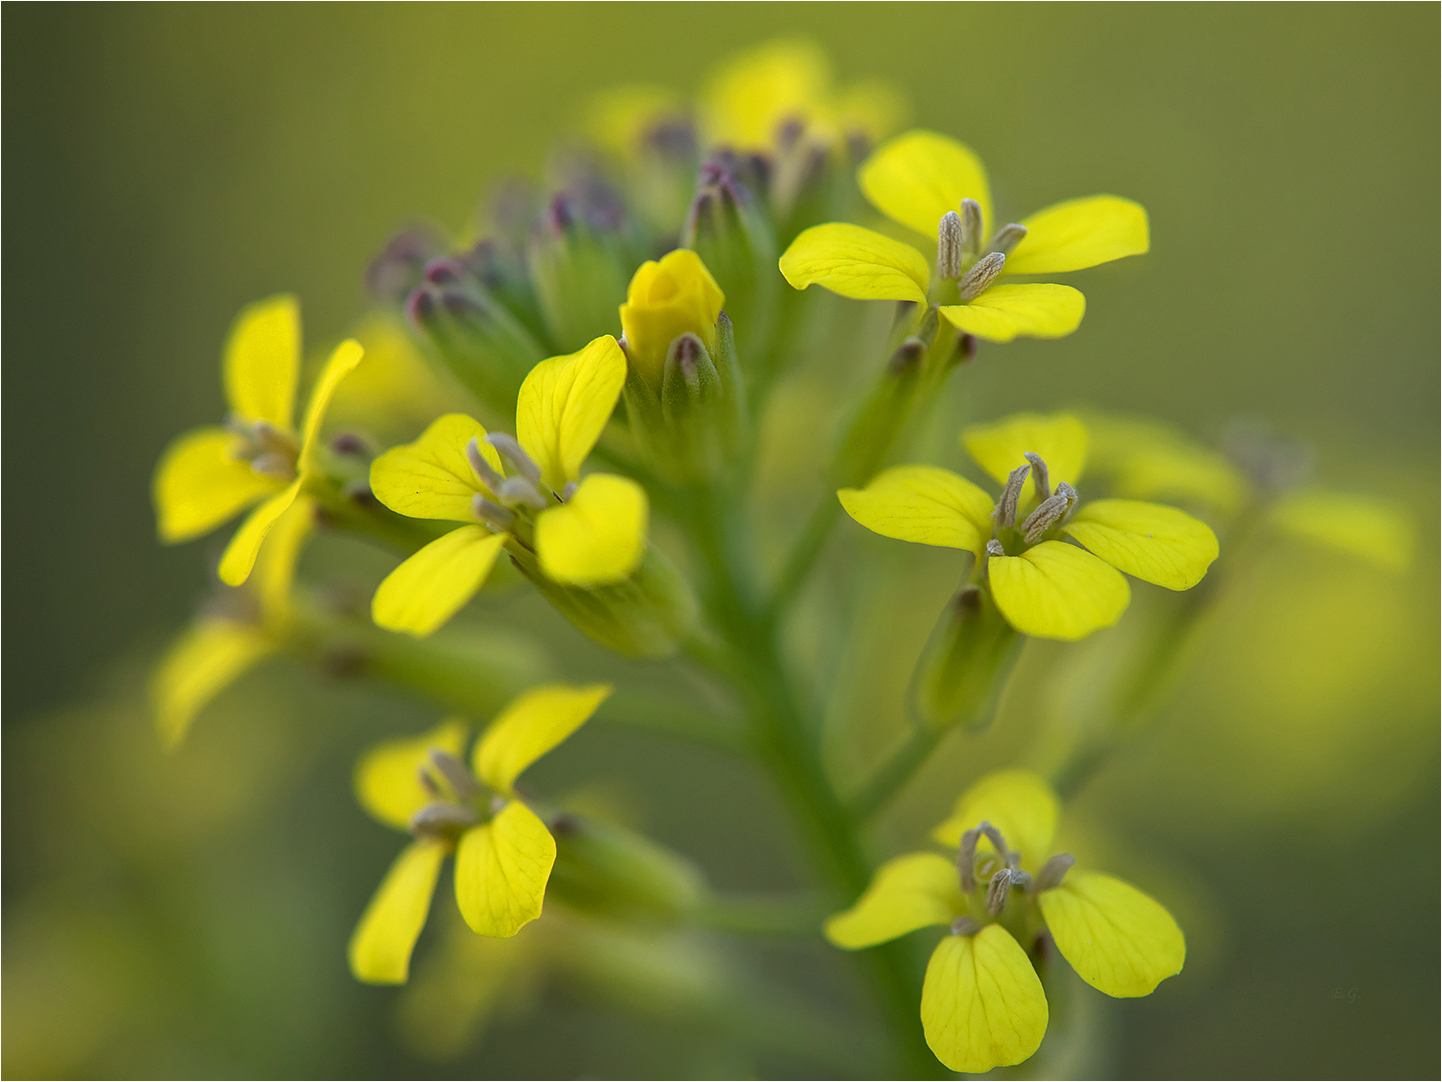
187,914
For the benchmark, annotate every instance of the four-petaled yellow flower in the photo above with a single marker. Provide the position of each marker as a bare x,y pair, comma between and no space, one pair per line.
208,475
982,1003
665,300
504,852
1043,586
937,186
582,532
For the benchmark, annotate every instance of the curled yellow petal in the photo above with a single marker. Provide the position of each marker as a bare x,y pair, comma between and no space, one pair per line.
1156,543
1057,591
905,894
341,363
239,556
502,868
666,299
387,777
274,570
1001,446
982,1005
917,177
380,947
1020,804
857,263
199,484
262,362
1118,939
1379,531
202,662
531,726
431,586
1032,311
1080,233
432,478
565,403
598,535
924,504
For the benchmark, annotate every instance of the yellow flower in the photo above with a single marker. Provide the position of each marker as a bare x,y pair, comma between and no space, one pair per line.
936,186
665,300
219,647
209,474
503,851
982,1003
583,532
1043,586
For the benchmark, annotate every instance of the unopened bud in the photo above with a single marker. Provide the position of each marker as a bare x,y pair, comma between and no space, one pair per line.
908,355
983,273
1007,238
949,245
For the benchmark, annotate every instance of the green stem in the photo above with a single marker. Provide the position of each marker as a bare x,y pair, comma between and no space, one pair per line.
762,914
895,773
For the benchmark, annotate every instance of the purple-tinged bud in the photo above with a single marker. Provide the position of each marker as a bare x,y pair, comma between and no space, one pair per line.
397,269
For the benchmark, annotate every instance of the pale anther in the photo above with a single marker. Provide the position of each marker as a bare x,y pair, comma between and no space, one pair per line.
1005,514
516,455
270,438
1039,474
517,490
983,272
1048,513
569,491
949,245
492,513
971,226
1054,871
428,782
995,548
484,471
966,860
991,834
997,891
1007,238
271,464
443,819
964,926
455,773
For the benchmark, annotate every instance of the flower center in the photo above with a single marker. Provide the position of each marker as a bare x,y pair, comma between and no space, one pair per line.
270,452
961,254
460,799
1012,538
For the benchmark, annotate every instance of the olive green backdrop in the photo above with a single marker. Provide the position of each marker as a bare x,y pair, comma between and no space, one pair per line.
164,165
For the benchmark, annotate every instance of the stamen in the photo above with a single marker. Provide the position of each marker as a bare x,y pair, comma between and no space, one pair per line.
966,860
569,491
1005,514
949,245
493,514
994,548
997,891
455,773
516,455
1007,238
1054,871
964,926
428,782
517,490
270,438
1048,513
1039,474
272,464
443,819
984,271
991,834
484,471
971,226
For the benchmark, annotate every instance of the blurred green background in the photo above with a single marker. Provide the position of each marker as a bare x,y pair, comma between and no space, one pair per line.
165,165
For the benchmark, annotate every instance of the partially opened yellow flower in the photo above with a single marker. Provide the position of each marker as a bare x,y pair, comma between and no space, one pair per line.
936,186
583,532
667,298
208,475
1042,585
982,1003
504,852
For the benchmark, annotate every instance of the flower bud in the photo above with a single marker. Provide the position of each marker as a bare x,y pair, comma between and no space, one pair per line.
577,265
667,299
400,266
965,663
608,869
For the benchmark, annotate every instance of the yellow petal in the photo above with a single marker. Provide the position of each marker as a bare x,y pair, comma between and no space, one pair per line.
275,566
239,556
1020,804
501,871
531,726
387,777
620,118
598,535
565,403
1148,461
982,1005
432,478
1118,939
905,894
380,947
872,107
201,663
430,587
924,504
341,363
1057,591
666,299
1156,543
1380,532
262,362
856,263
1032,311
752,93
1080,233
199,484
1059,438
919,176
